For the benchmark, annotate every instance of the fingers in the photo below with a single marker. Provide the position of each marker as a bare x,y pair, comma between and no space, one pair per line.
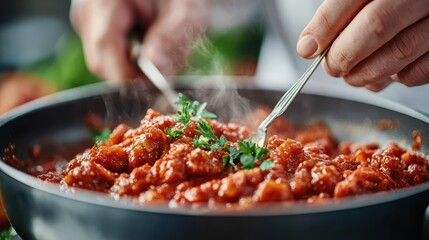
377,23
103,27
381,41
402,50
168,41
379,85
416,73
329,20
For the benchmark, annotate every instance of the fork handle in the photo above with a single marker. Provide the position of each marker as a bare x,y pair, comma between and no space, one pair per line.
151,71
292,92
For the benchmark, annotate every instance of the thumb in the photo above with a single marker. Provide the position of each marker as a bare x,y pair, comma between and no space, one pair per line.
329,20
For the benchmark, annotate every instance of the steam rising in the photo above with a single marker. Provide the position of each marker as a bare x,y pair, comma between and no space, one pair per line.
223,98
219,91
131,102
215,65
135,97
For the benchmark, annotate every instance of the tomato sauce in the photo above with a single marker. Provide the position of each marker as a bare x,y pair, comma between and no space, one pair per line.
309,165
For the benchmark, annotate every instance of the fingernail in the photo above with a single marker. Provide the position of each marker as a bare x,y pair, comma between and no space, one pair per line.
307,46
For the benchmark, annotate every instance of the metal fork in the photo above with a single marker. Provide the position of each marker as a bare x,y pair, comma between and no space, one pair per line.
260,134
152,72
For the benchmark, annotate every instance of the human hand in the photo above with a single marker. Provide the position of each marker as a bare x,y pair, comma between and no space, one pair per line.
381,41
171,28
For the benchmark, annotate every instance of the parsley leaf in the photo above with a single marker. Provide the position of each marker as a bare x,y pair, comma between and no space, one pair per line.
229,159
222,140
266,165
192,110
195,111
208,115
184,115
246,147
173,134
205,130
201,141
260,152
247,161
247,152
208,139
102,136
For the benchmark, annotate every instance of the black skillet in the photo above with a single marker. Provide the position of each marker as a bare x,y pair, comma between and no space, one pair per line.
40,210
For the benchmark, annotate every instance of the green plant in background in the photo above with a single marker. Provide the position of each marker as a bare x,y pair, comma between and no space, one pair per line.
67,69
7,234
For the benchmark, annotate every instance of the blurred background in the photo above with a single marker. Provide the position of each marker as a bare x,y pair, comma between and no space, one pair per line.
40,54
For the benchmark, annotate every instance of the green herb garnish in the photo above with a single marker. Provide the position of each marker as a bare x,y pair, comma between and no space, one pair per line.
101,136
192,111
195,112
173,134
266,165
208,139
247,152
231,158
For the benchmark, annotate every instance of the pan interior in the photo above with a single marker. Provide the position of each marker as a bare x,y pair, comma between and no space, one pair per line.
58,125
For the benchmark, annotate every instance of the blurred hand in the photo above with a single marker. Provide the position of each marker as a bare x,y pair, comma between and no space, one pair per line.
381,41
104,25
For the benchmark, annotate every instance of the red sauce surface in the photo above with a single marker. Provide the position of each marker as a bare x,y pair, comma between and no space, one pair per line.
310,165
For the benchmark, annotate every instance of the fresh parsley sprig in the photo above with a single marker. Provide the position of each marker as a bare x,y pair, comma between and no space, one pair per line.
195,112
266,165
101,136
192,110
247,152
173,134
208,139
